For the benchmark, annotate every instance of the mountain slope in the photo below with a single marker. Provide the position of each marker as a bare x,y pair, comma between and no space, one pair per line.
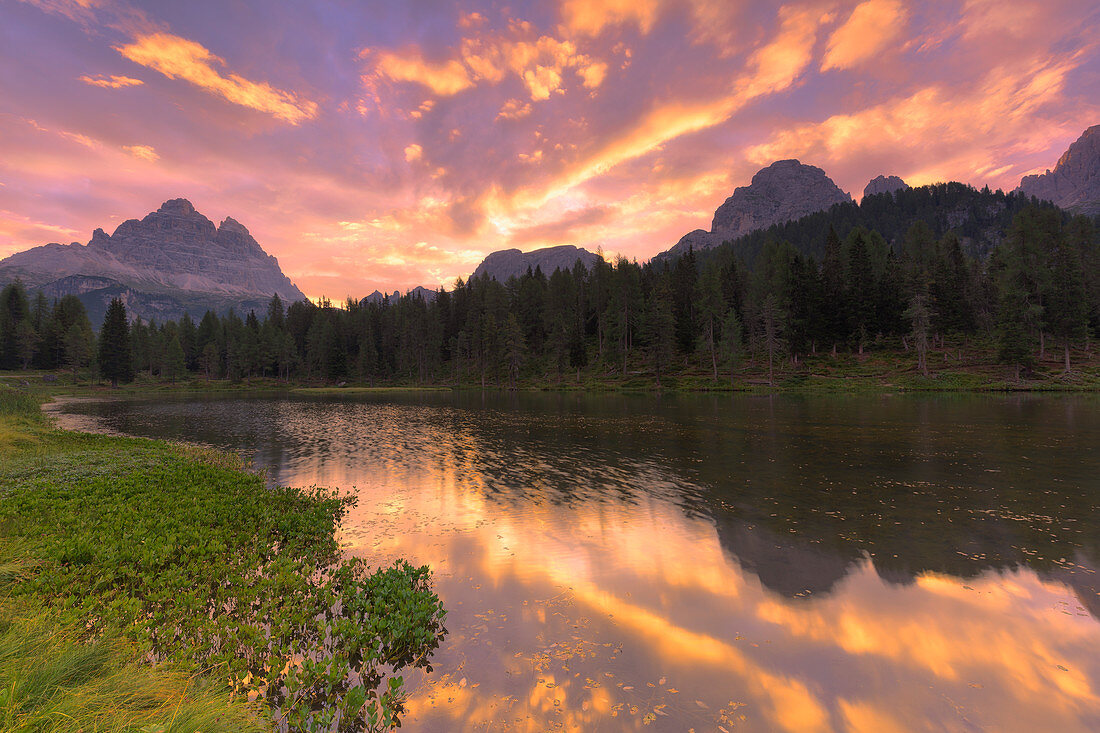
172,261
784,191
1074,184
979,218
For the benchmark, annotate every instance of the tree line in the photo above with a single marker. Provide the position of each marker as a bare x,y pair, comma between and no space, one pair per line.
704,312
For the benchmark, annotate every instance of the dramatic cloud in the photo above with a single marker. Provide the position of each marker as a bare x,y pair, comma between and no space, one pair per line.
179,58
391,145
872,26
539,61
444,79
591,16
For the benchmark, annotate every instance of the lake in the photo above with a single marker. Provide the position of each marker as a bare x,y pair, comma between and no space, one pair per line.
761,563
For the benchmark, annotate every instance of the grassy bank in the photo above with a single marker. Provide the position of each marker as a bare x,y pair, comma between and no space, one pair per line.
971,367
224,590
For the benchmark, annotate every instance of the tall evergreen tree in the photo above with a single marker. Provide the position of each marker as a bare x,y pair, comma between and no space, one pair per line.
116,360
1067,304
710,307
14,309
731,343
659,327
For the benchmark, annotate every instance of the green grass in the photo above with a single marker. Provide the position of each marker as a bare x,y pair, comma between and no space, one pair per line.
183,558
51,680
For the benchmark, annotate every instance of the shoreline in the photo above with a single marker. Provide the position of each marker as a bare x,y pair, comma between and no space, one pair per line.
175,552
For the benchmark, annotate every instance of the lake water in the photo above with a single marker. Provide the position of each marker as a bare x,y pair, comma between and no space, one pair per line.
733,563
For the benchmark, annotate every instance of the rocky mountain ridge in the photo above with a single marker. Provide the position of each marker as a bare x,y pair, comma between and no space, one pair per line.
1074,184
508,263
174,260
783,191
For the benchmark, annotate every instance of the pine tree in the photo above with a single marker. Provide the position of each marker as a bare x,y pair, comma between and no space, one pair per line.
79,347
514,347
832,287
115,356
710,307
26,342
920,319
731,343
14,309
660,329
861,290
174,364
1067,304
772,320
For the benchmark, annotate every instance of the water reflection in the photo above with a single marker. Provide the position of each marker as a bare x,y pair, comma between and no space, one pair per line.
610,563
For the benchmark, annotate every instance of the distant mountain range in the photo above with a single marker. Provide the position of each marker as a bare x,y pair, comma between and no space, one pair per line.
787,191
174,261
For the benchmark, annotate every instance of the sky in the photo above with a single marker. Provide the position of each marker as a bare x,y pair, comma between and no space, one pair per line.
384,145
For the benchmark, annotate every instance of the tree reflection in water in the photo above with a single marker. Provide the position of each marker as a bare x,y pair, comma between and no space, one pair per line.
828,563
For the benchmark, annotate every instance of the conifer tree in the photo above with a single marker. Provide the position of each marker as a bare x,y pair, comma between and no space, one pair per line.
660,330
14,309
710,307
115,356
1067,304
174,363
79,347
732,341
920,319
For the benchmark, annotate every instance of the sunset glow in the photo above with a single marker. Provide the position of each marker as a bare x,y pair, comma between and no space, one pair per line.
389,145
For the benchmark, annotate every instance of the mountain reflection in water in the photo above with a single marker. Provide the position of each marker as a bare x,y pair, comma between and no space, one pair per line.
755,563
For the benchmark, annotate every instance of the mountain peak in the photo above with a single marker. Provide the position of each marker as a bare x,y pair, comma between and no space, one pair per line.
173,255
229,224
780,192
507,263
179,207
884,184
783,191
1074,184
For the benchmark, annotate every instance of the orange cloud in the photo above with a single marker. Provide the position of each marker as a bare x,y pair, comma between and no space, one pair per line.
539,61
772,68
589,17
967,129
145,152
177,57
782,61
869,29
593,74
445,79
514,109
413,152
111,82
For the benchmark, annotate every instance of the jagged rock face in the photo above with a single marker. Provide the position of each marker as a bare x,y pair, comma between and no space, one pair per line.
884,184
513,263
174,251
784,191
1074,184
696,240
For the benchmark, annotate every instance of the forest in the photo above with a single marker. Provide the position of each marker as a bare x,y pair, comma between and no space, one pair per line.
837,289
